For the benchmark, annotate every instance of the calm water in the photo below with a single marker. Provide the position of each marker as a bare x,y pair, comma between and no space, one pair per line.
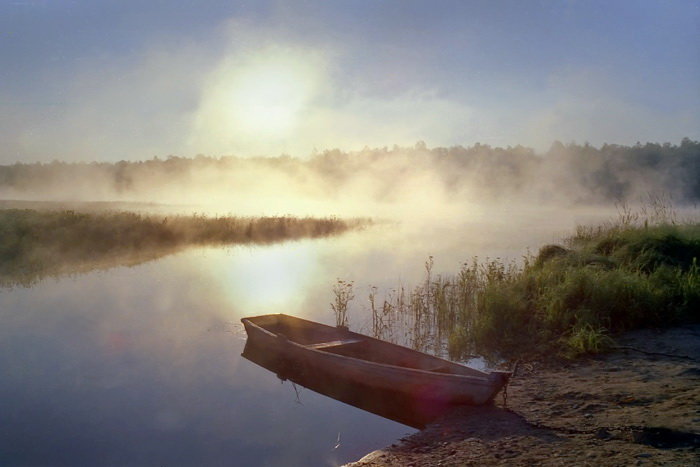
141,365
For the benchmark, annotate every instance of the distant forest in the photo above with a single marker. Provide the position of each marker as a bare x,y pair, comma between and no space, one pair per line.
571,172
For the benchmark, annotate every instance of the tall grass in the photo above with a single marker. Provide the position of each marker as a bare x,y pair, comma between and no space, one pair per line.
426,316
35,243
343,293
639,271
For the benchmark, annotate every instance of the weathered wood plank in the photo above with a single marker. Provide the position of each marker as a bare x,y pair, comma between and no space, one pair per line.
326,345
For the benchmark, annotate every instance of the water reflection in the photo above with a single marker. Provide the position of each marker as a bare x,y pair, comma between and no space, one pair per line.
392,405
269,277
140,366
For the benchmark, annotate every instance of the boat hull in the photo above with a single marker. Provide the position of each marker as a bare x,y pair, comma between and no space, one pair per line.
411,395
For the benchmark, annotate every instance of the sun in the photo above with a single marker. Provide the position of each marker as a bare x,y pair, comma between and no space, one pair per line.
258,100
268,98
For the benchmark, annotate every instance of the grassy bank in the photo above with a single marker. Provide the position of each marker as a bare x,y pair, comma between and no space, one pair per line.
569,299
573,298
35,243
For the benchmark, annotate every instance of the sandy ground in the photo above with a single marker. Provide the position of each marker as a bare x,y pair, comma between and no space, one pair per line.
623,408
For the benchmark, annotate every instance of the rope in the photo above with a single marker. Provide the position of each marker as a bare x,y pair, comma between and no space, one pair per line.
505,387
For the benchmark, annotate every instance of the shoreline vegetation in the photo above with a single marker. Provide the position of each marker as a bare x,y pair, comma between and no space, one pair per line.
639,271
39,243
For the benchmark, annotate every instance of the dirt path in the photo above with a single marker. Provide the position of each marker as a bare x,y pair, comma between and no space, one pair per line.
624,408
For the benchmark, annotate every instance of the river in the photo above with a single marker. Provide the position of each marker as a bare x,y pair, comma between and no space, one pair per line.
141,365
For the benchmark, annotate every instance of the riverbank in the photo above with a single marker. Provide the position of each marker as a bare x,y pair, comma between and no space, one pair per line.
637,405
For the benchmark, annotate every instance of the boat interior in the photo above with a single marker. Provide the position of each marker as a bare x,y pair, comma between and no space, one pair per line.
342,342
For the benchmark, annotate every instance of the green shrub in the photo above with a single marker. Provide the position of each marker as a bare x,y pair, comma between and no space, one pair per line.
504,321
586,339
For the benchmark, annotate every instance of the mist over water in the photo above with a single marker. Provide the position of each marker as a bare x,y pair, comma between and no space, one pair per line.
142,365
407,184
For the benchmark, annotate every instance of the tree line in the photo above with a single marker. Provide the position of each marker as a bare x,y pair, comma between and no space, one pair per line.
576,172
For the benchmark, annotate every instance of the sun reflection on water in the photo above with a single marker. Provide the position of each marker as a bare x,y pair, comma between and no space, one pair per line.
258,280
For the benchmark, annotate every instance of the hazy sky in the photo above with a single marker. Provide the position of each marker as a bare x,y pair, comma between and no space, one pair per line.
110,80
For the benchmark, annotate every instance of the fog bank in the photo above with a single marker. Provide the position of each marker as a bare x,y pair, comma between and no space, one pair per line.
399,182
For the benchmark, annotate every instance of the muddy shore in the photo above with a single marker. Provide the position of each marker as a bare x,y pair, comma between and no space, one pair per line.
638,405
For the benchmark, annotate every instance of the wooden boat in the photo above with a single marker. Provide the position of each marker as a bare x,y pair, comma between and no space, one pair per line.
361,370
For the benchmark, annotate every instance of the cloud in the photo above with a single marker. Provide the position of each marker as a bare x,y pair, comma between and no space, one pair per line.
254,101
607,119
267,98
130,108
416,115
591,105
248,89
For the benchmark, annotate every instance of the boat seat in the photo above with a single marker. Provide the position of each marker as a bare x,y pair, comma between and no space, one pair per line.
327,345
439,369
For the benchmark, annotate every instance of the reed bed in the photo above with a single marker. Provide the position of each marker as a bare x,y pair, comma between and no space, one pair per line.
35,243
